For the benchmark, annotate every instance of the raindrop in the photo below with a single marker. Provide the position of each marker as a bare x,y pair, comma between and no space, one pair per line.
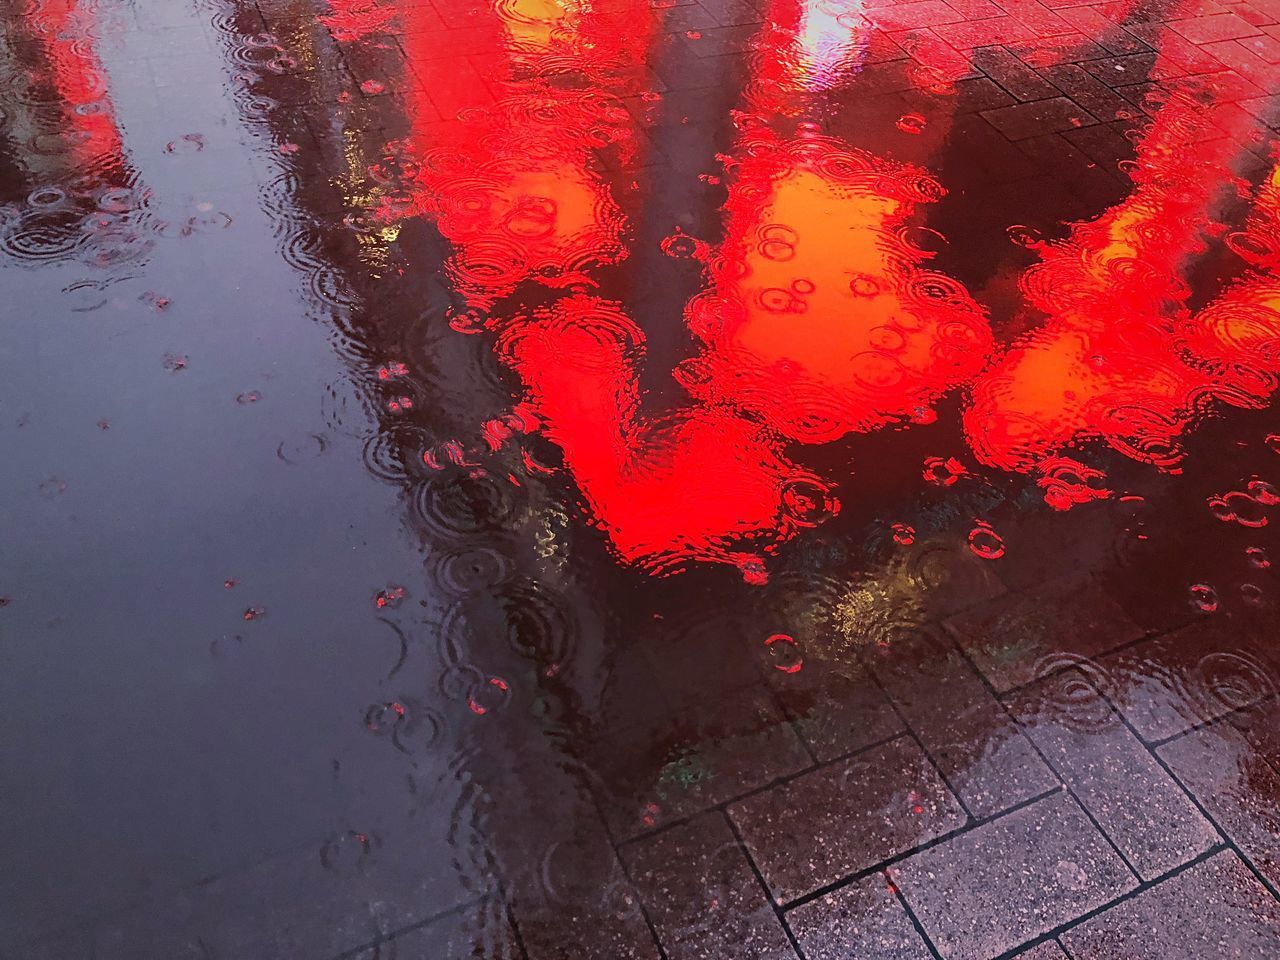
173,362
347,853
808,502
864,286
187,143
943,472
784,653
384,718
985,542
1204,597
911,123
1024,236
251,396
489,696
389,597
1264,492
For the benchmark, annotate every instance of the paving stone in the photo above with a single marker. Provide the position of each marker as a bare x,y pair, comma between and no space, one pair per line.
987,761
836,706
1128,794
1008,881
568,892
1223,26
1014,75
904,16
714,751
702,896
1210,911
1167,684
1018,638
862,919
845,817
1236,787
1260,726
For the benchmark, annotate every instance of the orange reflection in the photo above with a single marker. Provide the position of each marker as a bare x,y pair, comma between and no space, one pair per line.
820,320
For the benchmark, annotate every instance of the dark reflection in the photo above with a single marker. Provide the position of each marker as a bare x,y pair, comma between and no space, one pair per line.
748,473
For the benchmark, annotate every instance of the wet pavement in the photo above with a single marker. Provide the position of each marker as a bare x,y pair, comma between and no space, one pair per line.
566,479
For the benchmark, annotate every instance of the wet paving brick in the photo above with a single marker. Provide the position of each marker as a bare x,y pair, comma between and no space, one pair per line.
1236,787
1127,793
702,895
862,919
836,706
1165,685
1213,909
652,777
1008,881
982,753
845,817
1018,638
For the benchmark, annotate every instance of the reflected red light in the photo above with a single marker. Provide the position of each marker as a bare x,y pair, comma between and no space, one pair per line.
820,317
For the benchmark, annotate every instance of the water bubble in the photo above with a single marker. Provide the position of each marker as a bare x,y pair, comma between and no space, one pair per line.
187,143
1204,597
389,597
348,853
1273,441
1264,492
784,653
230,582
911,123
382,719
904,534
943,472
251,396
864,286
808,502
1257,557
985,542
52,487
254,613
173,362
1252,594
373,87
1025,236
489,696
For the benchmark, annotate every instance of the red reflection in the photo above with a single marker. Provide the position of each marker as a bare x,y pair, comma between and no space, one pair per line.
820,317
1120,358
